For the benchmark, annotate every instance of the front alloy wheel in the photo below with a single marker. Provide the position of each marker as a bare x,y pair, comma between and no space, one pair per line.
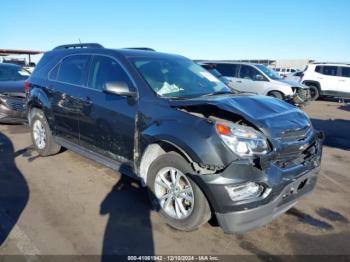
174,193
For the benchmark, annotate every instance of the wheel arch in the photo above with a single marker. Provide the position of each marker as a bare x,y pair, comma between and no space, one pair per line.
155,150
37,99
315,83
276,91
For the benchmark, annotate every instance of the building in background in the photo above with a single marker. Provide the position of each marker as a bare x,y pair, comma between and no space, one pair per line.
298,64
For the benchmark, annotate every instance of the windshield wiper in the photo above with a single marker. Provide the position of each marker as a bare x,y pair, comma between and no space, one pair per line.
217,93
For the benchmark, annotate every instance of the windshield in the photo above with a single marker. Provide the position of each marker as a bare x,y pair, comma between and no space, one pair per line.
269,72
174,77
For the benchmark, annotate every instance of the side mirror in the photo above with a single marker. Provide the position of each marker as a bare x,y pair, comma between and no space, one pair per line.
118,88
259,77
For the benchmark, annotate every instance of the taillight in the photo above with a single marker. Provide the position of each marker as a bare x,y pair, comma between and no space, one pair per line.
26,86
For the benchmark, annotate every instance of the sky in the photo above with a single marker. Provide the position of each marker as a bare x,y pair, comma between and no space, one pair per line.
198,29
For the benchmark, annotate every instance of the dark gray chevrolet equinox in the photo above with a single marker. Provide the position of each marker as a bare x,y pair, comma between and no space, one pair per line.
202,150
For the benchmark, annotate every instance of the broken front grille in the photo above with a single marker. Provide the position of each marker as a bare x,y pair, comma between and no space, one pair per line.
15,104
296,148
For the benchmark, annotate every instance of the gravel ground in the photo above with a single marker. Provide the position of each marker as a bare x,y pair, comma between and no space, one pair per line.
67,205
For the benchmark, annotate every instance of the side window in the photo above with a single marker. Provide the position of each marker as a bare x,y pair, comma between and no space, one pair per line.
318,69
345,71
73,69
248,72
227,69
330,70
298,73
105,69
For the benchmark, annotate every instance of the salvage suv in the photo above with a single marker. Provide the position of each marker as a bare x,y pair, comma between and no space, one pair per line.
202,150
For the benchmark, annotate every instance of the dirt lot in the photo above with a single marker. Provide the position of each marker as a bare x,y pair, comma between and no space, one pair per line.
66,204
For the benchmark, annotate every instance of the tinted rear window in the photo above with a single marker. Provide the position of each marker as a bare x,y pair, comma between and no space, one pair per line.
73,69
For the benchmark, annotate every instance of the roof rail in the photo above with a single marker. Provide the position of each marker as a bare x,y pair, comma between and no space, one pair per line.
140,48
331,63
80,45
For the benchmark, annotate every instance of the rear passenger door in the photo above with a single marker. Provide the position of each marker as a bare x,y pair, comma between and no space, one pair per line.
66,81
108,123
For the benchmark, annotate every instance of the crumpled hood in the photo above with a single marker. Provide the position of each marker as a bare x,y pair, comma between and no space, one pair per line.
272,116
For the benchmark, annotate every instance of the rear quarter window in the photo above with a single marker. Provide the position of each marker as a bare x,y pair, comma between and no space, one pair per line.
53,74
318,69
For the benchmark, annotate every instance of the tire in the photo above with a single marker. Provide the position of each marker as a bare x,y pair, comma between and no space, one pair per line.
38,124
314,92
276,94
198,211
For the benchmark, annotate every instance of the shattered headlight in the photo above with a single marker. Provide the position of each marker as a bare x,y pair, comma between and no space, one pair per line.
243,140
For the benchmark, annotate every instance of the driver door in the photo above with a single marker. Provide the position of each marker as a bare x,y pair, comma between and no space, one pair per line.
107,125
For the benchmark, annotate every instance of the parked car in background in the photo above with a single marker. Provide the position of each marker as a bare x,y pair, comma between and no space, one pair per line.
12,94
216,73
202,150
283,72
29,66
295,77
259,79
327,79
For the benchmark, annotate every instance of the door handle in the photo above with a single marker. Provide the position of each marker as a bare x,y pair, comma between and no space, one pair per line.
239,81
341,80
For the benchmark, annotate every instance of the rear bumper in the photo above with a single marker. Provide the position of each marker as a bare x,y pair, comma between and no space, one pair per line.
245,220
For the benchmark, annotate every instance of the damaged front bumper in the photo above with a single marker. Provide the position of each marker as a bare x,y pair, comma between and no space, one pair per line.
300,97
12,109
245,220
285,184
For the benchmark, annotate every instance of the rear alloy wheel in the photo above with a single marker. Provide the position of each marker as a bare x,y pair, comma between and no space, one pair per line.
41,134
175,195
314,92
